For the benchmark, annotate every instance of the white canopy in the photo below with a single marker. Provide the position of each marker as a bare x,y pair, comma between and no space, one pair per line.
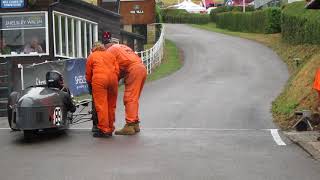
189,6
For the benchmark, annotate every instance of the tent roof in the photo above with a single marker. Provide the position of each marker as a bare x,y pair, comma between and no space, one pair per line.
189,6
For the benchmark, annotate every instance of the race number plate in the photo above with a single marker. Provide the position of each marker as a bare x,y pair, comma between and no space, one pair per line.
57,116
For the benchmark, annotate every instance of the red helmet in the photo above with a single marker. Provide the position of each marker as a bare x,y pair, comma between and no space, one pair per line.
106,38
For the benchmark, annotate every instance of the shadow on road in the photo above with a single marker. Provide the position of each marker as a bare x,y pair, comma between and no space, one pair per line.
40,137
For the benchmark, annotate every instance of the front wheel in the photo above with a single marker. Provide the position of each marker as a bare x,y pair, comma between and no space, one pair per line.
12,100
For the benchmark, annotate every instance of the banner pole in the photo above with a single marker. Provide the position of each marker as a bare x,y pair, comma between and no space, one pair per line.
21,75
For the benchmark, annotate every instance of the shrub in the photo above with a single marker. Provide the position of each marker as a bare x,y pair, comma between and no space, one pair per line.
263,21
300,25
158,14
223,9
181,16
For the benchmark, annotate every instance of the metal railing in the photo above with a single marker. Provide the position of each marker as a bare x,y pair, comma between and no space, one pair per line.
152,57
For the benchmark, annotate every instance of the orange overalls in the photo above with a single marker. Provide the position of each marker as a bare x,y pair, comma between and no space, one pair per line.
102,72
316,84
134,73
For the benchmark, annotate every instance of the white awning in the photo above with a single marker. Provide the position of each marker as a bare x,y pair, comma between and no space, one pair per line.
189,6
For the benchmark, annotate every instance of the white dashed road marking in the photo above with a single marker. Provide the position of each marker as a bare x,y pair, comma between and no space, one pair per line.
276,137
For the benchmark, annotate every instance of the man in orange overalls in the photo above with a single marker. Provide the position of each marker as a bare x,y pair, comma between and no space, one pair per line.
102,73
134,73
316,86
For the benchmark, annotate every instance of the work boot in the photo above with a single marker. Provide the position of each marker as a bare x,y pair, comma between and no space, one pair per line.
100,134
136,127
128,129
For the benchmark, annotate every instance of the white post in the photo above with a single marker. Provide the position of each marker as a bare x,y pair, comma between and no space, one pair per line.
79,44
85,40
95,33
152,58
244,5
21,76
147,58
72,39
66,35
60,34
90,36
150,61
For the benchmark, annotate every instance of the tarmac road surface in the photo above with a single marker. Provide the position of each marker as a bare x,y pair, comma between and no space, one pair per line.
210,120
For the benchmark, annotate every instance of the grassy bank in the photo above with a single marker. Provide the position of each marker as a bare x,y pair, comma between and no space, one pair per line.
298,93
170,64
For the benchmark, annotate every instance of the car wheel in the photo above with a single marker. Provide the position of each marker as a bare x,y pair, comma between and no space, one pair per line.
13,98
9,116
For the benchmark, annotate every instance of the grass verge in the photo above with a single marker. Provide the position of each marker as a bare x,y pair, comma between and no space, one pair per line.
298,93
170,64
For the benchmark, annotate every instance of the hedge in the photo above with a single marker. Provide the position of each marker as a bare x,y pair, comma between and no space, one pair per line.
181,16
223,9
300,25
158,14
262,21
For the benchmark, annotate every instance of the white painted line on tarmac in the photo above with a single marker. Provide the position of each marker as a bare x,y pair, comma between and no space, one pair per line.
276,137
204,129
274,132
178,129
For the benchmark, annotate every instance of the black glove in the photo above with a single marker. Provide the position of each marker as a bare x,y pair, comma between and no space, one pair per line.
90,88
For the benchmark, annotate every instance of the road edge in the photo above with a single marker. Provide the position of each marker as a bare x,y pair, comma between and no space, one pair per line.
306,141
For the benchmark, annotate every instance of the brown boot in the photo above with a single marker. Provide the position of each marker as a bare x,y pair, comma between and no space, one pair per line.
136,127
128,129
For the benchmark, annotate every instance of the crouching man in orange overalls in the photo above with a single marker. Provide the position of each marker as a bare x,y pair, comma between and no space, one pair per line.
102,73
134,73
316,86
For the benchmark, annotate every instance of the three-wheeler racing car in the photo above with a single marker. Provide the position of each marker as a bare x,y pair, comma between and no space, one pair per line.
40,108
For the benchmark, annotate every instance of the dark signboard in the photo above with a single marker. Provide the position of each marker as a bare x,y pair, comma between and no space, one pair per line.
73,71
23,21
12,3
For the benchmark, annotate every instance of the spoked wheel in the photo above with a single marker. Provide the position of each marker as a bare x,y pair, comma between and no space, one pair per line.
29,134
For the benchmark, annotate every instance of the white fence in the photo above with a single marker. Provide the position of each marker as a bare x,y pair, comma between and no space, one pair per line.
152,57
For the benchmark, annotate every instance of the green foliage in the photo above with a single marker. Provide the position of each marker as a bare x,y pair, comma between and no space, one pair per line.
181,16
158,15
300,25
283,106
170,64
263,21
223,9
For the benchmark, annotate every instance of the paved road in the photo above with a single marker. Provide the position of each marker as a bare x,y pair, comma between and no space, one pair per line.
210,120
